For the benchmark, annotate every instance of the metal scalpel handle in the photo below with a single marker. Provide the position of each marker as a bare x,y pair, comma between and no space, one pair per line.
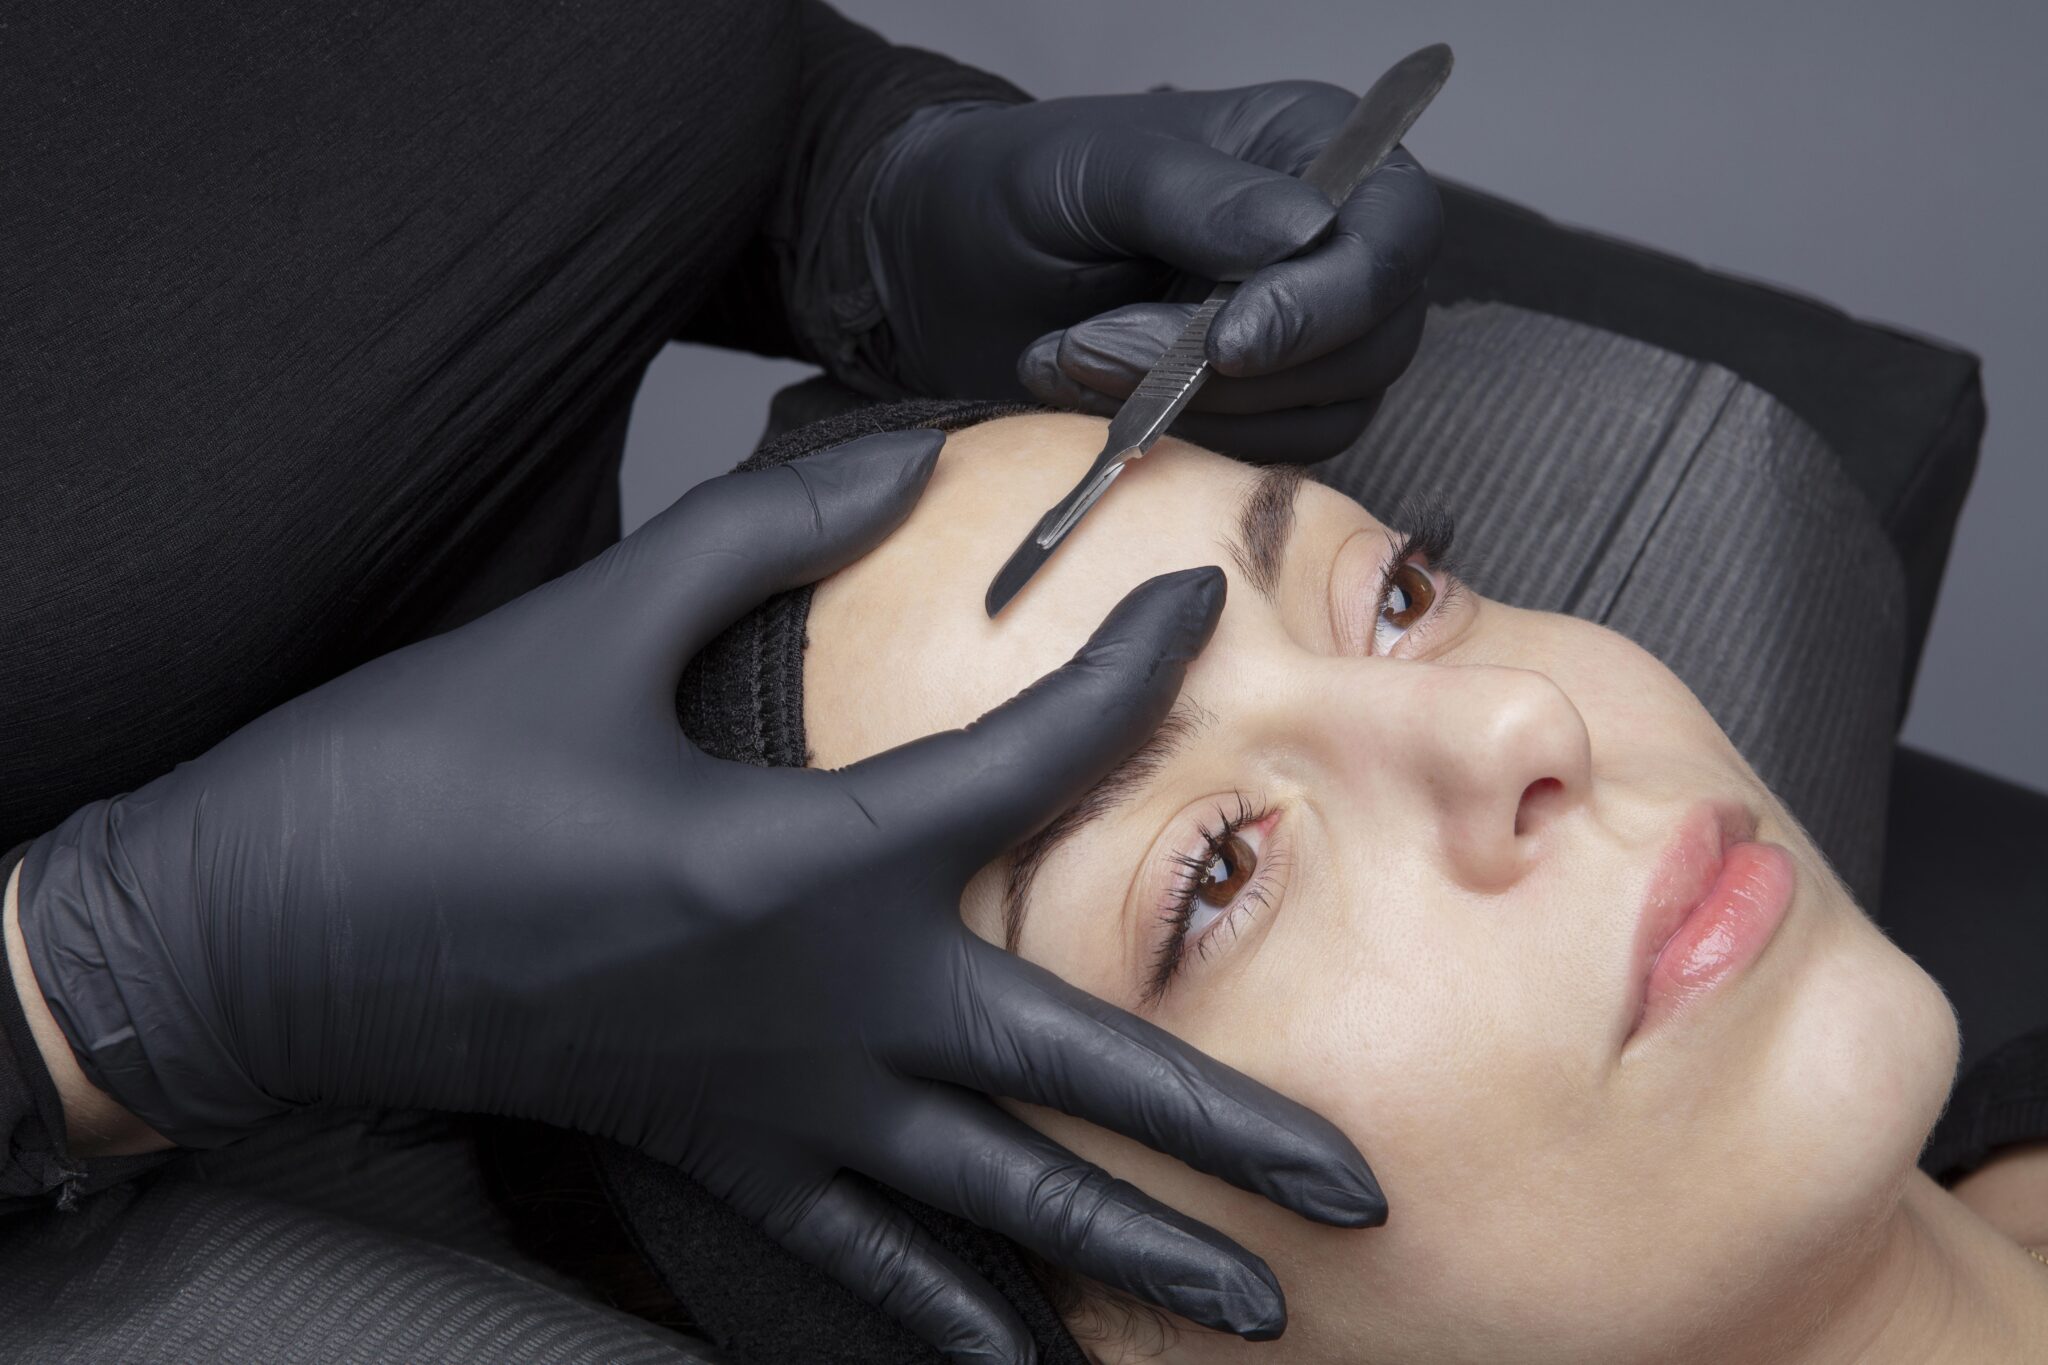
1143,419
1383,116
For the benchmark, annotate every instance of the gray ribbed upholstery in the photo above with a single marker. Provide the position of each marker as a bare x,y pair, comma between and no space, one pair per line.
1690,511
338,1238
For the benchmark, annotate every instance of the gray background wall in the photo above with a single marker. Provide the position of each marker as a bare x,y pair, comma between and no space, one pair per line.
1886,157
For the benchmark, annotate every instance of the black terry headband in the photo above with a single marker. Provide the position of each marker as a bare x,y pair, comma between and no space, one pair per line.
742,699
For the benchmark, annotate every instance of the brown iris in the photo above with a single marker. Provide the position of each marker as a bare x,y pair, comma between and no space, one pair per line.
1409,598
1230,867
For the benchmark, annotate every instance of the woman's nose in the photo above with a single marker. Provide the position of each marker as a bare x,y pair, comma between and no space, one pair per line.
1492,757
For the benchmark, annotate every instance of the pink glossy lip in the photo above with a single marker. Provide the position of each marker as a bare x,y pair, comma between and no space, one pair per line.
1713,904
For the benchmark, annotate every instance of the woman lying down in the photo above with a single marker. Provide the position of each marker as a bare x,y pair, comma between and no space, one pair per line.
1409,855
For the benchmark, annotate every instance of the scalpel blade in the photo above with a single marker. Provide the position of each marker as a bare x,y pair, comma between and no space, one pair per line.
1382,117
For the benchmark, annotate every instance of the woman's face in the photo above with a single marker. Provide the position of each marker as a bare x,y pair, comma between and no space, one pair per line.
1419,841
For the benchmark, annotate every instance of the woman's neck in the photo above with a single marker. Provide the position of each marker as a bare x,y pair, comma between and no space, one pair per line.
1942,1287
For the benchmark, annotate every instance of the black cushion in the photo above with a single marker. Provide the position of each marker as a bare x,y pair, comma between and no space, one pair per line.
1966,893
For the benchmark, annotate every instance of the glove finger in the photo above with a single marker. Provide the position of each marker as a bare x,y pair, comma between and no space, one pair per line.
962,1154
1142,193
667,590
1349,284
963,796
1112,352
1024,1033
855,1235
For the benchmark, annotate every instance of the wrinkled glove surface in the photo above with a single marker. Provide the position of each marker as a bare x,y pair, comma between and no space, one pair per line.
1060,247
488,873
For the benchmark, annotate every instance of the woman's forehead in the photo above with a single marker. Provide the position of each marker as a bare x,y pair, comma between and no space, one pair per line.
901,636
1179,507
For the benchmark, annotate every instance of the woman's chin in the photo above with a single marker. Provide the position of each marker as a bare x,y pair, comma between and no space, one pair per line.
1811,1162
1862,1068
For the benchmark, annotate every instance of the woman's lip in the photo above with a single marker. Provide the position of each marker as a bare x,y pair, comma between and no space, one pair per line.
1725,933
1689,878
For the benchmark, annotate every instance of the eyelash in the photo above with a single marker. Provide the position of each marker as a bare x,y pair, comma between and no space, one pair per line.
1429,537
1179,911
1432,528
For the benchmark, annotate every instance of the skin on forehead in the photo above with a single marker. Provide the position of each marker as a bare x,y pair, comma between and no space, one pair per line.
945,661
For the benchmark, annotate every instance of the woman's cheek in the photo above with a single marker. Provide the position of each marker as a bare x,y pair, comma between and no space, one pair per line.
1629,698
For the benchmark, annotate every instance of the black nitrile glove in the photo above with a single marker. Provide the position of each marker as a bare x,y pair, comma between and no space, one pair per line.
488,873
1036,244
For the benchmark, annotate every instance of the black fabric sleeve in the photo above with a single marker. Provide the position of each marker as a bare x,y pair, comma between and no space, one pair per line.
803,287
36,1169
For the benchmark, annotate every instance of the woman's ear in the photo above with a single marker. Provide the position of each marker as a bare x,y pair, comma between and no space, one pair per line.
1110,1327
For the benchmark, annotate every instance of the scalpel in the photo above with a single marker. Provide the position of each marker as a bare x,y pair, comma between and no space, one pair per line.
1382,117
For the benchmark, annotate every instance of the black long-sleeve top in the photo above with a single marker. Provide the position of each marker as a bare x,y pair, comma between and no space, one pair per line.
320,327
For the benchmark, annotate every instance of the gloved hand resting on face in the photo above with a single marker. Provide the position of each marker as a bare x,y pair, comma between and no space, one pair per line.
488,873
1033,244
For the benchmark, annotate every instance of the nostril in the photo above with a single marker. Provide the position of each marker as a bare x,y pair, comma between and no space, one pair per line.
1535,798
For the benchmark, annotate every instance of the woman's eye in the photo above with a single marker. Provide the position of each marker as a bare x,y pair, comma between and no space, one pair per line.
1220,884
1230,867
1410,594
1217,885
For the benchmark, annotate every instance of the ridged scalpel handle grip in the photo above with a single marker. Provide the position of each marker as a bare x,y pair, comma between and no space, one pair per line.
1172,381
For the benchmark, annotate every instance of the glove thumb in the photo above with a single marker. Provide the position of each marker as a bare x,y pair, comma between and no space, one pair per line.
660,595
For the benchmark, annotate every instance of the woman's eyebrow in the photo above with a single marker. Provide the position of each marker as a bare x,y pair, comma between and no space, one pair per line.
1265,521
1122,783
1258,544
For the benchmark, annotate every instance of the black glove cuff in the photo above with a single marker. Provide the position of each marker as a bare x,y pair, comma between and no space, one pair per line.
123,995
